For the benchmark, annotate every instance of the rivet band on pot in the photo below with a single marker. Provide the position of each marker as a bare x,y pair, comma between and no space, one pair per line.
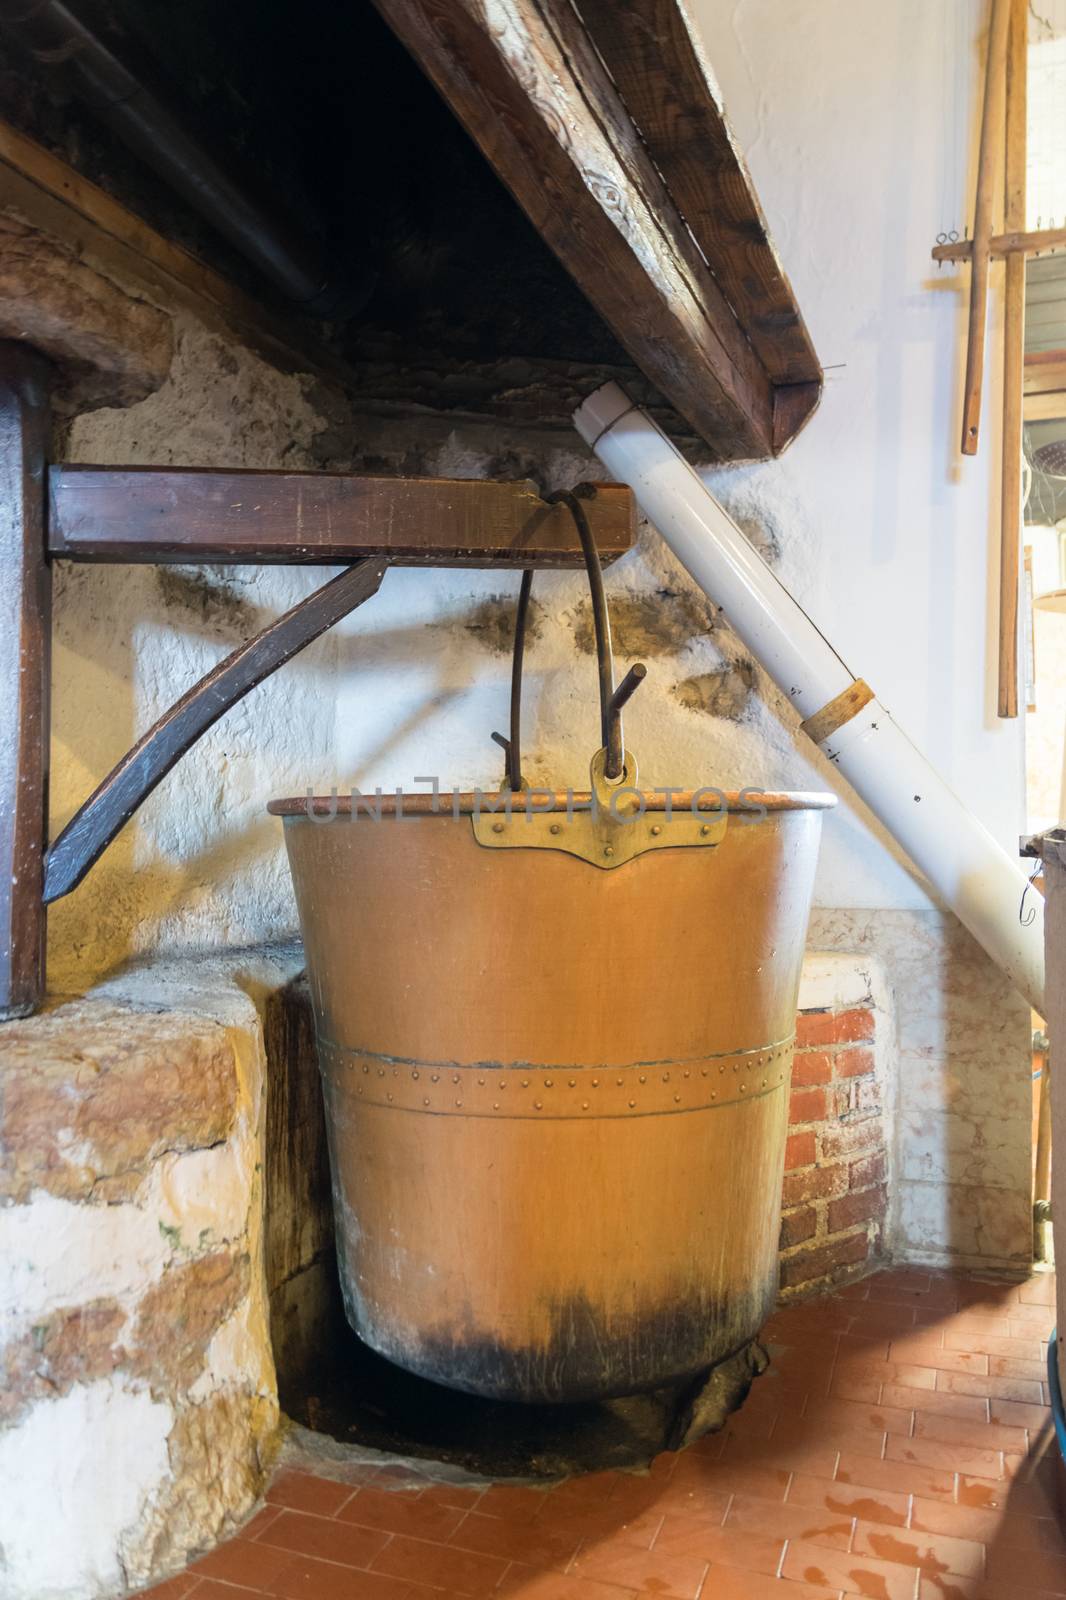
488,1089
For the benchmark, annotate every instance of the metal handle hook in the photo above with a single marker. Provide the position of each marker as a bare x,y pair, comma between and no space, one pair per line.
611,699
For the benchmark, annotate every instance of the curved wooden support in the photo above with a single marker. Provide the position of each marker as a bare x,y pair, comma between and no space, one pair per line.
92,828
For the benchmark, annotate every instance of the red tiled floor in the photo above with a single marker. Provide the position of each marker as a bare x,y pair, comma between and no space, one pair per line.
898,1448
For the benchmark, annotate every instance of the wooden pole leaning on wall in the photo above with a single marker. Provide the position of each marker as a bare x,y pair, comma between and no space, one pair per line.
25,654
987,161
1010,524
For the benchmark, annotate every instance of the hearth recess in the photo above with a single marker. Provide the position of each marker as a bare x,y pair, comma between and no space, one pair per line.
535,230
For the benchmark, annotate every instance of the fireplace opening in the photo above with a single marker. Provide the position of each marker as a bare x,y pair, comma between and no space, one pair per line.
436,289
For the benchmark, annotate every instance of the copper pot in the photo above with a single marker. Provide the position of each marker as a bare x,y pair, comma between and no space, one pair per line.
557,1093
555,1034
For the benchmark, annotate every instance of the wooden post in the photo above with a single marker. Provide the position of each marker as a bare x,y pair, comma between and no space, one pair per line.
25,649
1013,362
991,141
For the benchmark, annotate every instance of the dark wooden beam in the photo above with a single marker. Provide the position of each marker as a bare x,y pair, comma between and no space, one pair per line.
172,514
660,70
89,832
530,87
25,651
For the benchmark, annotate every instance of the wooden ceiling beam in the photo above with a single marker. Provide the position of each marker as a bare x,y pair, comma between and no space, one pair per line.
527,81
657,63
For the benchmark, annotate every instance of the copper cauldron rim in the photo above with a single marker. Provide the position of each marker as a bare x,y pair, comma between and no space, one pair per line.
543,801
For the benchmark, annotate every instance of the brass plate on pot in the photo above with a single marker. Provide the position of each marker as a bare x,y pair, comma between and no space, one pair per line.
612,828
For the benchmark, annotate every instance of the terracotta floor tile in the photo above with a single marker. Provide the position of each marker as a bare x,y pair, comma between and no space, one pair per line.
855,1574
922,1353
950,1457
242,1561
793,1520
732,1583
208,1589
527,1583
1038,1569
303,1534
742,1477
867,1390
816,1458
929,1552
651,1571
706,1501
302,1492
1014,1413
973,1407
464,1497
886,1506
304,1578
1039,1290
440,1566
947,1587
261,1521
937,1483
899,1447
395,1511
958,1430
853,1416
1011,1367
990,1345
901,1373
536,1543
593,1490
986,1526
584,1527
725,1546
634,1496
1027,1390
514,1500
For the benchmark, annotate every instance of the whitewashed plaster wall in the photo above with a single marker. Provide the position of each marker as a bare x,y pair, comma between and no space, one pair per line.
870,517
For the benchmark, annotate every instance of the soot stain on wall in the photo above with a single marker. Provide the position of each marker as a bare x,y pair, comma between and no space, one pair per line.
655,624
727,692
491,622
211,599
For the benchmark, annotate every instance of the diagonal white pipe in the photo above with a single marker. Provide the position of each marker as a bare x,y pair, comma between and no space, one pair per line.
976,877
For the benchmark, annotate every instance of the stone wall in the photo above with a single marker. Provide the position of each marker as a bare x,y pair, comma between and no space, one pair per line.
139,1404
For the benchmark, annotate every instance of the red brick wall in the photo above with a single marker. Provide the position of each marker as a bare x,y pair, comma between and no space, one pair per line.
833,1203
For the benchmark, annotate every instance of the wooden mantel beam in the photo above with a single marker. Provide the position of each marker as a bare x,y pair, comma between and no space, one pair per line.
528,81
182,514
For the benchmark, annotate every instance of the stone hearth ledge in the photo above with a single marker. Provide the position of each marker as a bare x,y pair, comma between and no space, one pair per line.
139,1407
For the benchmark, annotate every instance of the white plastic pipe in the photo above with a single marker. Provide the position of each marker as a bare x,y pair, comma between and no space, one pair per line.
971,872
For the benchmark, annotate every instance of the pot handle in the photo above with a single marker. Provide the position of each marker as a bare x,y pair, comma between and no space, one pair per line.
611,699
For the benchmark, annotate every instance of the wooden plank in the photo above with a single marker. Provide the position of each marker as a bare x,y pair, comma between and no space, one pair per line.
92,828
173,514
655,59
25,652
1010,507
991,142
1048,407
1003,244
529,86
1044,370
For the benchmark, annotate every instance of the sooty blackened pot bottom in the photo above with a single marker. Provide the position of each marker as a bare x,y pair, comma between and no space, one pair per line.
357,1397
